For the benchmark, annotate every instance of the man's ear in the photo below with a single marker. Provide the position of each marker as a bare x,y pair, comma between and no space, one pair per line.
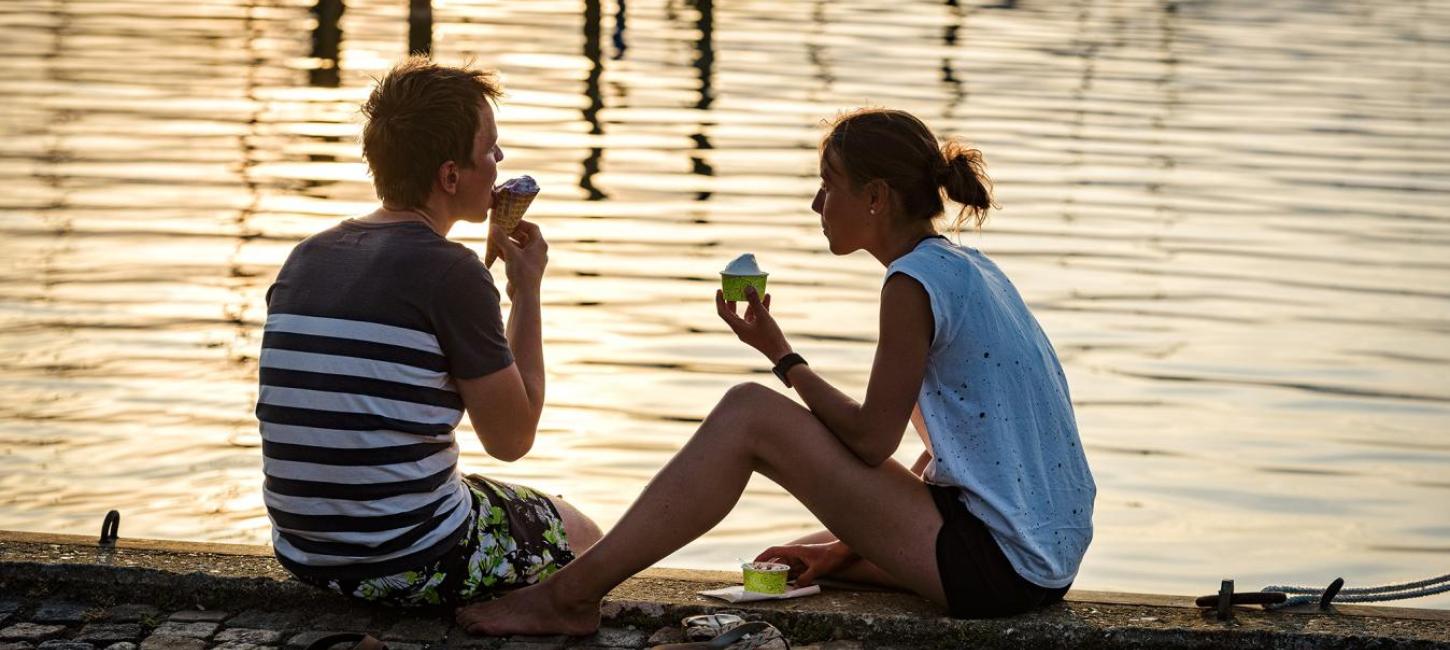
448,177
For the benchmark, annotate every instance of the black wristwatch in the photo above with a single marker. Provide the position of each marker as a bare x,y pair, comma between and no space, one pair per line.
785,364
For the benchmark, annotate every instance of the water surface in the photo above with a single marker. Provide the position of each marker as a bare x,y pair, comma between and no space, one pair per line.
1229,216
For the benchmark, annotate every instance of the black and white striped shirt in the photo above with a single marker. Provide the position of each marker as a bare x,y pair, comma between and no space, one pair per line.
367,327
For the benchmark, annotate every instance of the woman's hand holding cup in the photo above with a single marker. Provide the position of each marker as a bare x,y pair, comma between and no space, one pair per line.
757,328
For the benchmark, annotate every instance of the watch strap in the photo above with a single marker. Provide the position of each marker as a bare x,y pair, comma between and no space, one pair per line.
785,364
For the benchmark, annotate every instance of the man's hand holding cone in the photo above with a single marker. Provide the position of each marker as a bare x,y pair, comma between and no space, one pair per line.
511,200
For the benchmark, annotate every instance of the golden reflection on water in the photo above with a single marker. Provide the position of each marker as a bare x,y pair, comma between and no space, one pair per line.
1230,217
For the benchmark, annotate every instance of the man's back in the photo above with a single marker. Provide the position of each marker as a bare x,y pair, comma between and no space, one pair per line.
368,326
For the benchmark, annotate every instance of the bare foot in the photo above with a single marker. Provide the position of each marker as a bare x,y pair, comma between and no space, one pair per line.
533,610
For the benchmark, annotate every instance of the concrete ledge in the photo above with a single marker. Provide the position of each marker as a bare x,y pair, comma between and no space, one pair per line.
234,577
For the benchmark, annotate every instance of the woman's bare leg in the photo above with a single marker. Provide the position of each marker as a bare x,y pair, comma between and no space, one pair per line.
884,513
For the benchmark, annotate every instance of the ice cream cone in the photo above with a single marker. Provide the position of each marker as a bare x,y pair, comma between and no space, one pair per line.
511,200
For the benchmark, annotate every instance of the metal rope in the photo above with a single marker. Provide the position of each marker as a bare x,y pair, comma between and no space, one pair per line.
1416,589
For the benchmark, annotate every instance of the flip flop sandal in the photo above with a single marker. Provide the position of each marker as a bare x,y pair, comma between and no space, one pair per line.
359,641
757,635
708,626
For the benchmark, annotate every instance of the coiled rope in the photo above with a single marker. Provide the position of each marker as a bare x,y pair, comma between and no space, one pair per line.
1416,589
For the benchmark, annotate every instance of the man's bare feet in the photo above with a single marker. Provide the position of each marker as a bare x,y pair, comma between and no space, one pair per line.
533,610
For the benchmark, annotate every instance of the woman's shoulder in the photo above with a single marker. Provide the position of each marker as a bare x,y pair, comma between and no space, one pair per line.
939,257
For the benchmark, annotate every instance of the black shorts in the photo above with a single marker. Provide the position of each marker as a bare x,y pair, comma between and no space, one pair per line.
978,578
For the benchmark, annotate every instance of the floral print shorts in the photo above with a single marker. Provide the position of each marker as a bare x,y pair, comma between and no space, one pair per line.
514,537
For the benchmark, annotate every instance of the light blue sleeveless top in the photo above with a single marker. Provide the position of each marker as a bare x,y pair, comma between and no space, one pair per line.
999,416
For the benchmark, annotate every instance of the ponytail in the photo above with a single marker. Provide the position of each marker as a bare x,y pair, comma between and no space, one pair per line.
898,148
963,175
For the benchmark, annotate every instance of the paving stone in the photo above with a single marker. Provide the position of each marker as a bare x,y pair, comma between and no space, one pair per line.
248,635
260,620
422,630
62,644
615,637
671,634
8,610
521,642
124,645
340,621
132,613
159,642
60,612
198,630
309,637
106,633
199,615
240,645
460,638
526,645
527,638
32,632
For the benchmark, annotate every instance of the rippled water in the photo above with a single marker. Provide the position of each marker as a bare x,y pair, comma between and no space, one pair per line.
1230,217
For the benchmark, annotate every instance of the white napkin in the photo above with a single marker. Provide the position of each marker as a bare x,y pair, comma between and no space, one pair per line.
738,594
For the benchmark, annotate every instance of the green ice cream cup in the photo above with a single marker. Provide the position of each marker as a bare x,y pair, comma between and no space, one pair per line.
734,285
765,577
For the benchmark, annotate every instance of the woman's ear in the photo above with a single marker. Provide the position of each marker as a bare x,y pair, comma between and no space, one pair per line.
878,195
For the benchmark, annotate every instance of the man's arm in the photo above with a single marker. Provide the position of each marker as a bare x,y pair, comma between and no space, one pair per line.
505,406
502,415
526,341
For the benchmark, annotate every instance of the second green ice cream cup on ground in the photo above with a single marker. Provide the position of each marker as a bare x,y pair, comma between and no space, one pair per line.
765,577
734,285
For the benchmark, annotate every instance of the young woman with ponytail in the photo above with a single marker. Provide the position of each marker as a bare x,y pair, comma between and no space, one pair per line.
994,517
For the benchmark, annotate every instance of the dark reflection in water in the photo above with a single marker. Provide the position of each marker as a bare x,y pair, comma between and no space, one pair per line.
620,15
1229,215
593,52
420,27
327,42
705,63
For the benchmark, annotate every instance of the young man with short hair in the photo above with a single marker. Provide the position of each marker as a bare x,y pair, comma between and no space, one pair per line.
380,334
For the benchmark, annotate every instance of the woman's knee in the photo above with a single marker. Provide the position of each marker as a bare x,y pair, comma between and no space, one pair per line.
744,410
749,394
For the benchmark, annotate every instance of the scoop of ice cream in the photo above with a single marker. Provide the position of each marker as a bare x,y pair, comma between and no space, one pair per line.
743,265
520,185
765,566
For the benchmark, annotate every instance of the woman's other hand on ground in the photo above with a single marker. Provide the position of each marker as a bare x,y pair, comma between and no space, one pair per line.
809,561
525,254
757,327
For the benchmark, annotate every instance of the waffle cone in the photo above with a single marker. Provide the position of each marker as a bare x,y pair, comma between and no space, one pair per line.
509,207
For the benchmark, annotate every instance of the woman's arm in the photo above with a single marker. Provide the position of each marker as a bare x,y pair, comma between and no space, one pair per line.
919,468
871,429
